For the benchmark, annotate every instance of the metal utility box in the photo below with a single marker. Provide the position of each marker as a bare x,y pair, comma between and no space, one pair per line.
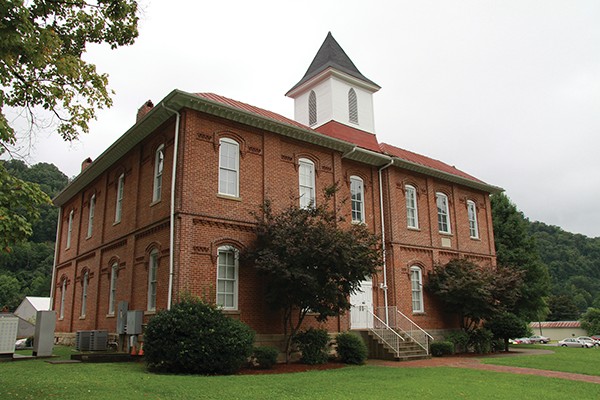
134,322
122,317
8,335
43,341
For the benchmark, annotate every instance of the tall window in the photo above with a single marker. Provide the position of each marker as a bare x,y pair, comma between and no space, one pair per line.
312,108
63,295
152,279
91,215
159,163
412,214
307,182
357,193
84,292
472,212
229,161
352,106
227,278
119,206
70,228
443,212
416,281
112,295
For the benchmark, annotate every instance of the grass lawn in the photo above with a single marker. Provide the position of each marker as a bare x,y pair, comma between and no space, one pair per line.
565,359
36,379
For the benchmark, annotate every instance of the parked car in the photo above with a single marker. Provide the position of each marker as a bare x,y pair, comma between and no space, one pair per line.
522,340
574,342
539,339
588,339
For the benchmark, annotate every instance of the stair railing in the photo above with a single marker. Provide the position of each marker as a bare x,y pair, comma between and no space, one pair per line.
388,336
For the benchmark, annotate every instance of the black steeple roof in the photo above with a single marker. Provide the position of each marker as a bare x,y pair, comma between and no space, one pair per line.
332,55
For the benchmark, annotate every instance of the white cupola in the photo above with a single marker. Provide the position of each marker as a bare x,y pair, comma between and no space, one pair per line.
333,89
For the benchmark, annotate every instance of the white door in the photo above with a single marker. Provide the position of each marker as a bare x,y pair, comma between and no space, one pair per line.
361,303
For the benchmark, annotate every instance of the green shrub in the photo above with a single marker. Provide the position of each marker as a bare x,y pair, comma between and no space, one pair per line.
29,342
313,345
351,348
265,357
197,338
460,339
481,340
441,348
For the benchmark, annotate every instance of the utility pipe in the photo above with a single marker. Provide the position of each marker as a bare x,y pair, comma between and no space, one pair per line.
385,288
172,222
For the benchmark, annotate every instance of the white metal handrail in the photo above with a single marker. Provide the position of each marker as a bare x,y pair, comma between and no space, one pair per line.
408,327
385,333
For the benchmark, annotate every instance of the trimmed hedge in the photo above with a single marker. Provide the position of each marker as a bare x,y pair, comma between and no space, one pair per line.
313,345
441,348
265,357
351,348
196,338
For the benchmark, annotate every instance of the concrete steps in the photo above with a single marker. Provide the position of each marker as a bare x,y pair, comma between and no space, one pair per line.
408,350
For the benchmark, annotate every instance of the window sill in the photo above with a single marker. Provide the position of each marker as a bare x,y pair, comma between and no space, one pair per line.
228,197
475,238
446,233
88,237
116,223
110,315
155,202
149,312
231,312
419,314
82,317
359,223
412,228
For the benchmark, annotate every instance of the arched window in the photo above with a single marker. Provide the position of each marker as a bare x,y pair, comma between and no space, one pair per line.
91,216
63,293
472,212
152,279
119,203
443,212
416,282
352,106
84,292
227,277
159,163
112,294
357,194
312,108
306,173
229,161
412,213
70,228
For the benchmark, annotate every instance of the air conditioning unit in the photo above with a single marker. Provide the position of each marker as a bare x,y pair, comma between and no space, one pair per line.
91,340
82,340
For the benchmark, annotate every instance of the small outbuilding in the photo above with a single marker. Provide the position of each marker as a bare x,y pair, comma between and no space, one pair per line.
558,330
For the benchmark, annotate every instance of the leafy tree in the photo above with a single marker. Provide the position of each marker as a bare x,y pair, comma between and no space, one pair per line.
310,263
590,321
10,292
474,292
507,325
562,308
42,71
516,249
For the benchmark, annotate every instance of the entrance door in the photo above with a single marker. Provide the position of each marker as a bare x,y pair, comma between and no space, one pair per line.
362,302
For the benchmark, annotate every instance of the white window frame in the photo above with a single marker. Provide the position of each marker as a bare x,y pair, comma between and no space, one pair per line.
443,209
120,193
223,277
152,280
412,208
472,215
306,182
357,196
312,108
159,165
416,284
352,106
91,216
112,294
70,228
63,293
84,292
228,170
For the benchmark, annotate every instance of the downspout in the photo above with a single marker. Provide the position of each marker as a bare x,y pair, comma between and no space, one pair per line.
52,285
384,287
346,154
172,222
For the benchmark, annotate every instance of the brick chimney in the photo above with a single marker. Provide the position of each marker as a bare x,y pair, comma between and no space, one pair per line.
144,109
86,163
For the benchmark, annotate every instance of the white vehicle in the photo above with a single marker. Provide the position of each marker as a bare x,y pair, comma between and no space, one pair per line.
588,339
574,342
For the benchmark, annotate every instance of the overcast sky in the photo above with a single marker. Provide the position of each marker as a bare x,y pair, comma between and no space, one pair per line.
508,91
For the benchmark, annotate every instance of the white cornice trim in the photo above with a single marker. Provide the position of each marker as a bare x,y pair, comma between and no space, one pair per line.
331,72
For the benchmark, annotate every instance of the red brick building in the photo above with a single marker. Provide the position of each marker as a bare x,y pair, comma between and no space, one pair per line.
167,208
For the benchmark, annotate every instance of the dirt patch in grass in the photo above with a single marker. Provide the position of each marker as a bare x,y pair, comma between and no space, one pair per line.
291,368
